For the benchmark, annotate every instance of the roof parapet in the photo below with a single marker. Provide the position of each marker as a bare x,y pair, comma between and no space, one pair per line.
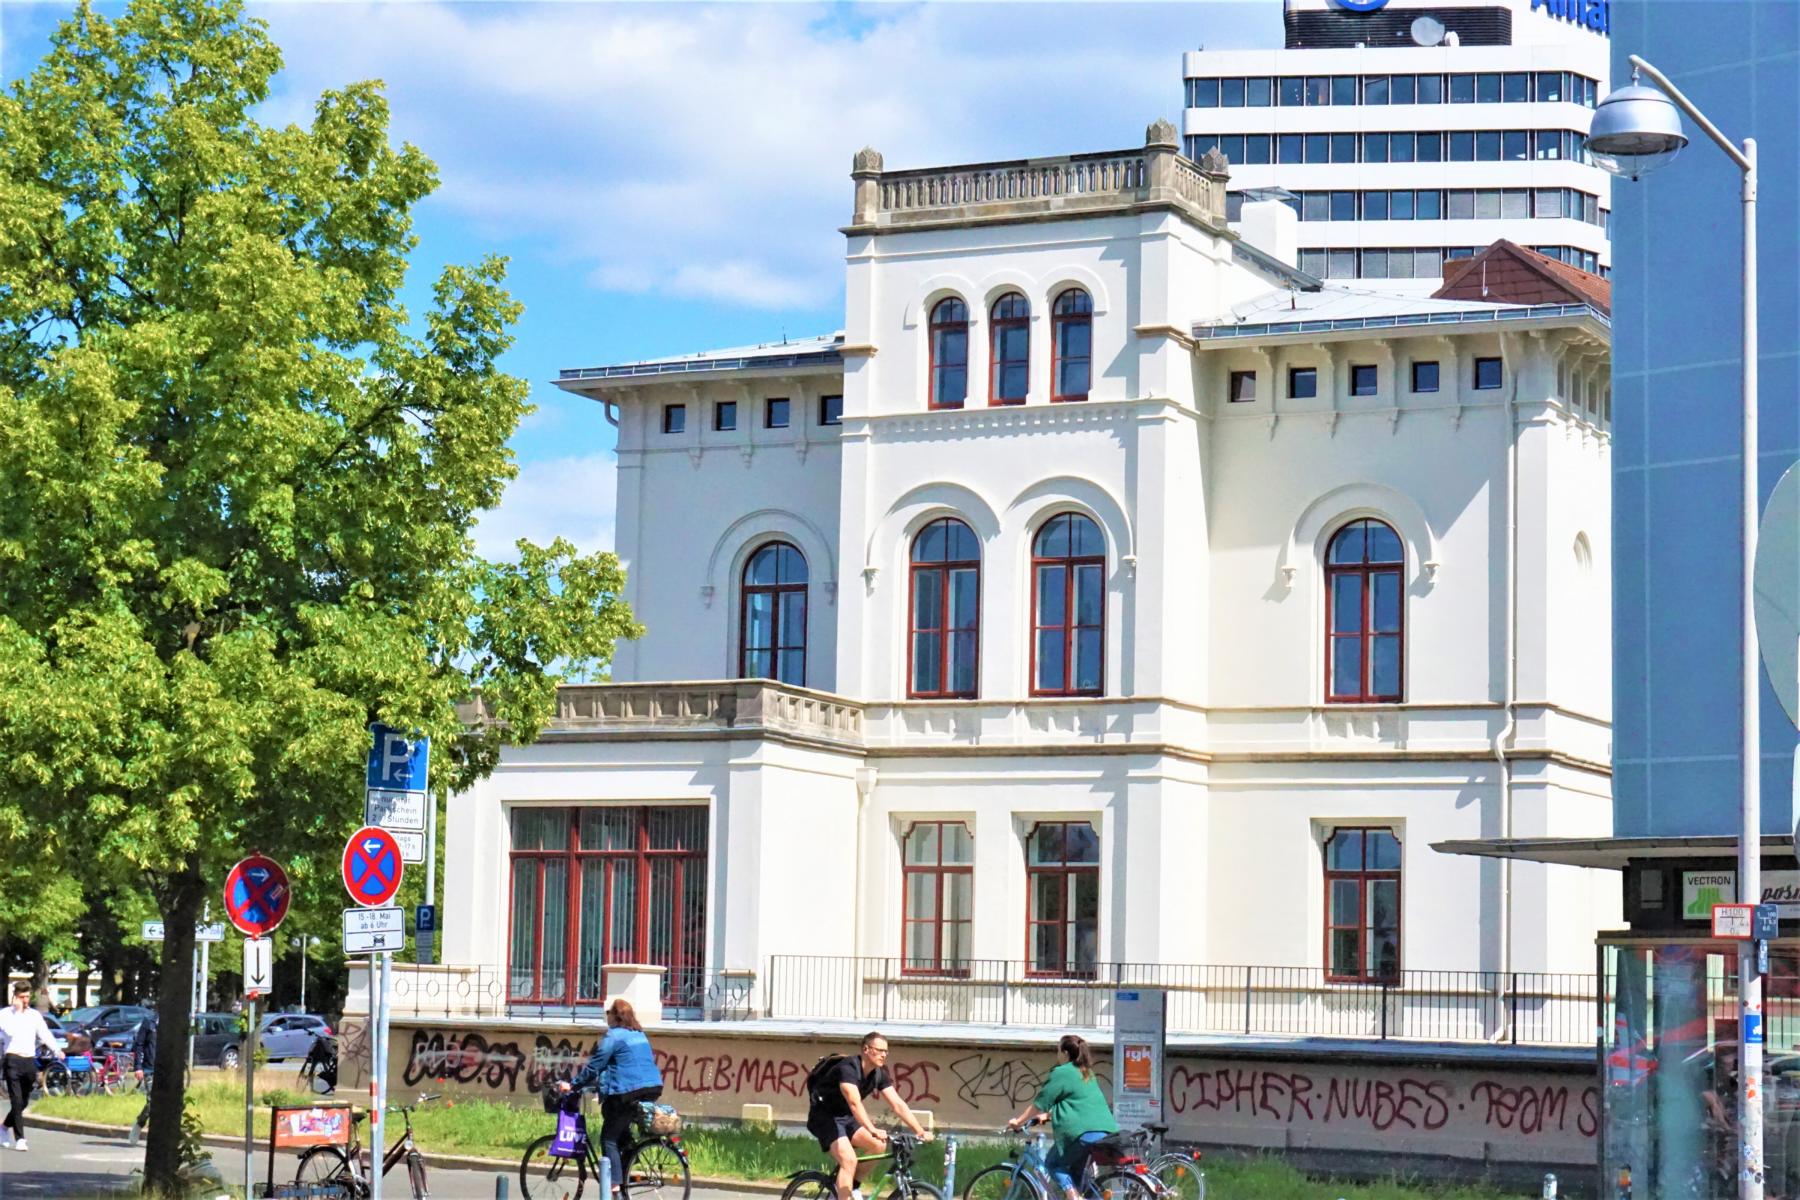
1070,185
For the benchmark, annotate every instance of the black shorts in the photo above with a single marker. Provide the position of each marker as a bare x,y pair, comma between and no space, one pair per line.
828,1128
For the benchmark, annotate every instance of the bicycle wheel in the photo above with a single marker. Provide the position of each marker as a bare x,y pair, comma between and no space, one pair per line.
329,1167
1122,1184
415,1172
55,1079
1003,1181
810,1185
656,1169
1180,1176
916,1189
543,1176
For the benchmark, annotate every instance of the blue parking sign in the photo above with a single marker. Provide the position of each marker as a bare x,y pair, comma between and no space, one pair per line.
397,764
425,918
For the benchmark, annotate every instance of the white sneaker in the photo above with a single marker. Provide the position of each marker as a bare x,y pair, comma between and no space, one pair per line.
19,1144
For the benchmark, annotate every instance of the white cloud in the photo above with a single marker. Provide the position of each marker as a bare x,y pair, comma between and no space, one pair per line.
573,498
704,151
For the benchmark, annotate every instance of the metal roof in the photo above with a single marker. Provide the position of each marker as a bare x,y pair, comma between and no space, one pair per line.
1470,315
819,351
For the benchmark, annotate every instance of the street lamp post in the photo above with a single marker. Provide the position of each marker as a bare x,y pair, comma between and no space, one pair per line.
304,943
1635,130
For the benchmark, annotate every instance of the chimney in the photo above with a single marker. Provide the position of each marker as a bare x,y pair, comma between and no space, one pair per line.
1272,227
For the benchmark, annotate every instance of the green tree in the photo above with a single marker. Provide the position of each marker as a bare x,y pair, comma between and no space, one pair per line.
237,483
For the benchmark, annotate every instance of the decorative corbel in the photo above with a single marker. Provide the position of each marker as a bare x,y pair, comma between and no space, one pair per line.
1129,562
1431,571
1288,571
706,595
869,574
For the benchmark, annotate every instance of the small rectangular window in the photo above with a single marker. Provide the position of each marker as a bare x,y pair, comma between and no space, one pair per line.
1303,382
1424,377
1428,264
1313,263
1431,89
1487,146
1462,205
1487,374
725,415
674,418
1318,90
1231,146
1515,146
1428,205
1290,148
1462,89
775,414
1341,264
1292,91
1362,379
1231,93
1487,89
1375,89
1515,204
1315,206
1403,90
1256,149
1343,90
831,410
1547,202
1318,147
1401,147
1375,147
1206,93
1375,206
1374,264
1431,147
1243,387
1259,92
1549,87
1343,206
1343,147
1487,204
1462,146
1400,206
1515,87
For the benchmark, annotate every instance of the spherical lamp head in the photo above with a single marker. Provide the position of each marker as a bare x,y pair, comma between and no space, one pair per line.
1635,130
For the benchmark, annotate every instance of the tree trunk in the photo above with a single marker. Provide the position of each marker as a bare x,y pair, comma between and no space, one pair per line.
40,980
81,986
180,903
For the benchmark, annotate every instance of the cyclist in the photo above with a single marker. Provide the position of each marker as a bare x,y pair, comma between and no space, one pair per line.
836,1116
1076,1108
624,1068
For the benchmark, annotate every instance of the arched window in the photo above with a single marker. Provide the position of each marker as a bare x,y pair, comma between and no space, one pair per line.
1071,345
1068,605
949,353
945,625
1009,350
1365,613
773,631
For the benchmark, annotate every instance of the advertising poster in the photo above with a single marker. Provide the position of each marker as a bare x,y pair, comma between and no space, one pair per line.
1139,1022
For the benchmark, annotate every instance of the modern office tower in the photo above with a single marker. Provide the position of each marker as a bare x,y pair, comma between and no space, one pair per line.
1410,132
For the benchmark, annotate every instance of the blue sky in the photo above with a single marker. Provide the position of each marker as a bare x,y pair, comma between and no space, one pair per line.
668,178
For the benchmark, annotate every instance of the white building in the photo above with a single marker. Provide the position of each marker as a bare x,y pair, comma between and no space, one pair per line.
1044,548
1400,155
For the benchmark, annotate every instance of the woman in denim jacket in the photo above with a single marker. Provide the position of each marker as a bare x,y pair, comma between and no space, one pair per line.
624,1069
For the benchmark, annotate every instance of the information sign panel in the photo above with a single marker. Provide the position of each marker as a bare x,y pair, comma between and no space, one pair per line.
1140,1020
259,966
374,930
395,810
1732,920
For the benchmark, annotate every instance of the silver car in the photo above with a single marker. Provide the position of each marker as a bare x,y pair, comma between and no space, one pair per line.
291,1035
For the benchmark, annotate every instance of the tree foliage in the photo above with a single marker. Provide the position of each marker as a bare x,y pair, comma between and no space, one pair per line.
237,481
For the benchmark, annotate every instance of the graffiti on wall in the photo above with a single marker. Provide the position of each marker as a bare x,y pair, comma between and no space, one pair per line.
1550,1114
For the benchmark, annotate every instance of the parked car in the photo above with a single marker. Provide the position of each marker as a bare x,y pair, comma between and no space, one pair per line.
291,1035
58,1034
99,1019
218,1042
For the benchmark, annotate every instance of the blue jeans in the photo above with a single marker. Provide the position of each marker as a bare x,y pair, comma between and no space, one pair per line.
1067,1171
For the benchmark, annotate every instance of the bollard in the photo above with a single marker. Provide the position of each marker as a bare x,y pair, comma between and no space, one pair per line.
1549,1192
950,1164
500,1187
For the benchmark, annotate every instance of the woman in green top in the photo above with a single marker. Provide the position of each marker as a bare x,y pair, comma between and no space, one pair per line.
1076,1108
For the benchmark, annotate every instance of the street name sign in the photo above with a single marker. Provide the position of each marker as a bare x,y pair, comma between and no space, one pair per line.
374,930
259,966
257,895
215,932
372,866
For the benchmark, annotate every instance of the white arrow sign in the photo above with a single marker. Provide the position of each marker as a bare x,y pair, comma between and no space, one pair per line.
153,932
259,966
374,930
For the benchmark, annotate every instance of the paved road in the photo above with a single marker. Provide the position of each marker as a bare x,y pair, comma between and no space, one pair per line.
86,1166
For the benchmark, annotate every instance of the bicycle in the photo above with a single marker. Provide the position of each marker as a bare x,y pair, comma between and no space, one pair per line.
328,1167
655,1165
1176,1174
1025,1176
902,1149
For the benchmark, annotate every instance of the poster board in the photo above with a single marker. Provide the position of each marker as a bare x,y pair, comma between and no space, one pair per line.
1140,1027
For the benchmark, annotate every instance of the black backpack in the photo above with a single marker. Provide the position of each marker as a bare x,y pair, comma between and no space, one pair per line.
818,1089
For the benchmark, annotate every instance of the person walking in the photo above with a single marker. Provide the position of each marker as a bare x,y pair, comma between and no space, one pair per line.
143,1067
22,1031
624,1069
1076,1108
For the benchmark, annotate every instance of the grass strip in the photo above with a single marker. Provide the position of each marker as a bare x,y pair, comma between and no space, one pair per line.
482,1129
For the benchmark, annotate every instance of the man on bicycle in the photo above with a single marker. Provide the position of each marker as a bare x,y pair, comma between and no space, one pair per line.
837,1117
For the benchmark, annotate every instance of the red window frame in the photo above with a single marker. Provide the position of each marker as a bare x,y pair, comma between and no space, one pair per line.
687,936
1011,311
748,592
1070,630
949,315
1063,869
1366,570
1362,878
944,570
1073,307
938,872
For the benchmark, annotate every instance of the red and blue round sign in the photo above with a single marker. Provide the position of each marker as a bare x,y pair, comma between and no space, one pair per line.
372,866
257,895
